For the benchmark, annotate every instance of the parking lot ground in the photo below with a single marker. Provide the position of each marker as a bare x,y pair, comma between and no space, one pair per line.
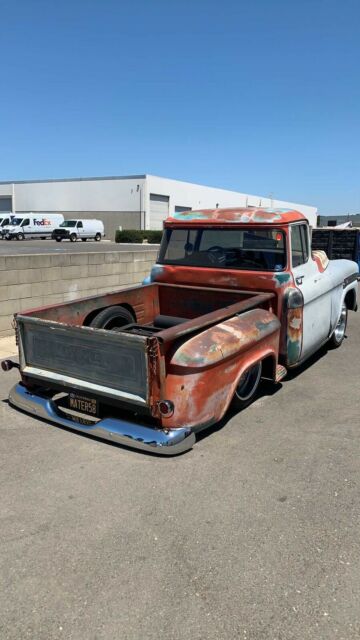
29,247
254,534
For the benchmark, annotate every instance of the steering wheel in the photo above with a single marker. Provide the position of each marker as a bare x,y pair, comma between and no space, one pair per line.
216,254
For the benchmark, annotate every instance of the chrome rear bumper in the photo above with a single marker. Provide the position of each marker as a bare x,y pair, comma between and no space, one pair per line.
123,432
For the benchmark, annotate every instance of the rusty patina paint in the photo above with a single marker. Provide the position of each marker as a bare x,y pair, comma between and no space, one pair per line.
202,394
236,215
143,300
225,339
294,335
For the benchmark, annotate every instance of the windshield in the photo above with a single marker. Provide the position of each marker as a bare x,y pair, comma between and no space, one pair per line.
68,223
16,221
241,248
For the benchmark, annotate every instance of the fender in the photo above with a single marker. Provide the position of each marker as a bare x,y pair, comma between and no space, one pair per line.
224,340
204,371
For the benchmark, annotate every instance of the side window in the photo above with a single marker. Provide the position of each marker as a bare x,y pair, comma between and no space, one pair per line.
299,244
79,225
25,222
305,241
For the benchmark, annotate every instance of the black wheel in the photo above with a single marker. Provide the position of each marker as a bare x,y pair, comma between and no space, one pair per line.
112,318
73,237
43,237
20,236
58,239
98,237
339,332
247,387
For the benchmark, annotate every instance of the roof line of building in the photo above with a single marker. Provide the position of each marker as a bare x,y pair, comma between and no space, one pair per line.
134,177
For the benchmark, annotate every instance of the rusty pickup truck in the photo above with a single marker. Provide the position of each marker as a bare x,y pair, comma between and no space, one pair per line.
236,296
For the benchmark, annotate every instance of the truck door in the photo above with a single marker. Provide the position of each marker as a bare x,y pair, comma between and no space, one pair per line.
80,229
315,288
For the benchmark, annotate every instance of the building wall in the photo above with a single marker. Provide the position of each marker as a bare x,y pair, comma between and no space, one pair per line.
32,281
197,196
340,219
126,201
117,202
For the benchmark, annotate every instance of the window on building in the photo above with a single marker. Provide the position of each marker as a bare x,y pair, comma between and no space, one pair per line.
179,209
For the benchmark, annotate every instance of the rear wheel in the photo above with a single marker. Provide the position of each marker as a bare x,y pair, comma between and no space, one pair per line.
339,332
98,237
73,237
112,317
247,387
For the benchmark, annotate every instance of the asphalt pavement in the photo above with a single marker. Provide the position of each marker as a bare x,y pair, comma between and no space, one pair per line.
254,534
29,247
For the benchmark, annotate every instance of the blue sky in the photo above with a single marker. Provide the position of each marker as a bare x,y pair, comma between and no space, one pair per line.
260,96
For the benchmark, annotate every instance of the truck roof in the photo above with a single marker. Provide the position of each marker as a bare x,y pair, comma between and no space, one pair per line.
247,215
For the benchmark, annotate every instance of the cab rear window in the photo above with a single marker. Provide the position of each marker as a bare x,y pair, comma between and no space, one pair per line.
241,248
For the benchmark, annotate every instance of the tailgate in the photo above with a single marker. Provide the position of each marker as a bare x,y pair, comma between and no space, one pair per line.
104,362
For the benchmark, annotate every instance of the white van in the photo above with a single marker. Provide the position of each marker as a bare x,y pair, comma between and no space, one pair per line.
79,230
4,220
31,225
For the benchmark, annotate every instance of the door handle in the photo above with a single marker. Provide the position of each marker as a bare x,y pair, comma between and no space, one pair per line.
299,279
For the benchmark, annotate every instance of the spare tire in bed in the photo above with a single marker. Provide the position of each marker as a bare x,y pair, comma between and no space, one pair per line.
112,317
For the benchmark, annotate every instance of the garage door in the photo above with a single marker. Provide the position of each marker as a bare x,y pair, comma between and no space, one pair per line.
159,210
5,203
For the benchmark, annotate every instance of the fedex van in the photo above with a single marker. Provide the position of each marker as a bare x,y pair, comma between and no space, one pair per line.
32,225
79,229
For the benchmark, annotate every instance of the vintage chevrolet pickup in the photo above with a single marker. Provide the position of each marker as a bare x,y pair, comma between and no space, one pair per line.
236,296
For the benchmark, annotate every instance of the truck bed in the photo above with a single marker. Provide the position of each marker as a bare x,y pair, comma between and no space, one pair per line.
60,350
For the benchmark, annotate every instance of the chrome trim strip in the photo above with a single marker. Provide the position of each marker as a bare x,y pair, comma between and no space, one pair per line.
122,432
67,381
350,279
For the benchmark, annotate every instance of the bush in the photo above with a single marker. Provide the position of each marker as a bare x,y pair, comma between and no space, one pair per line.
135,235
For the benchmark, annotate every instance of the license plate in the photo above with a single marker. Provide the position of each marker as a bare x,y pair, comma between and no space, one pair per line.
83,404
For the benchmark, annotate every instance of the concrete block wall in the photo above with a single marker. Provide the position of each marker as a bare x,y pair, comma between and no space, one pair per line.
36,280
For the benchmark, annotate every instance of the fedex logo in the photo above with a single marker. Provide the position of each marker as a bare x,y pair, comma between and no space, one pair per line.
43,222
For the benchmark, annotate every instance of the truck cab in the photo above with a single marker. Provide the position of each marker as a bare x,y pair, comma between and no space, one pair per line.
263,250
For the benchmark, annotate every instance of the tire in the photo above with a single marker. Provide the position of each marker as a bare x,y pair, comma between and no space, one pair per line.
112,318
43,238
58,239
73,237
247,387
20,236
83,239
98,237
338,336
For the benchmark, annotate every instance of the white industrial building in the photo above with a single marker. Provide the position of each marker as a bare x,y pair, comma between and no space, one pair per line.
130,202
